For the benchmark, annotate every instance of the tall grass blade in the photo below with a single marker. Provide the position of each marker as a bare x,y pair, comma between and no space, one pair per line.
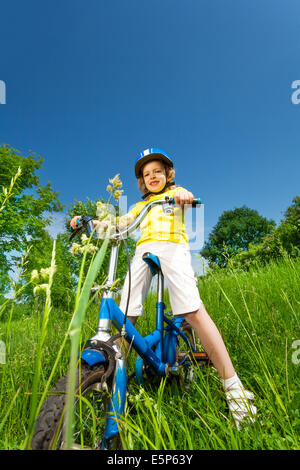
38,359
75,332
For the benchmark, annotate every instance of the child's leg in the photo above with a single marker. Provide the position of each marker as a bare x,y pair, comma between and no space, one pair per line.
140,282
237,397
184,295
212,341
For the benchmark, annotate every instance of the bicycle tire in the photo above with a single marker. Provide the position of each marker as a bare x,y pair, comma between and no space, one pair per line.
48,432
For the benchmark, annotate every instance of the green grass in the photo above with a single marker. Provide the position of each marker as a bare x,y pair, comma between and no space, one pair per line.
257,313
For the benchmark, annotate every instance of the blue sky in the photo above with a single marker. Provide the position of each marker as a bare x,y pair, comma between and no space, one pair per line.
90,84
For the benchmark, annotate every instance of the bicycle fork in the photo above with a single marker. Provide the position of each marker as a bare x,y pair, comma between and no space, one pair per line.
116,402
101,349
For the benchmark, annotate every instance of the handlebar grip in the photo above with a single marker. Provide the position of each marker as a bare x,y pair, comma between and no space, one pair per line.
196,201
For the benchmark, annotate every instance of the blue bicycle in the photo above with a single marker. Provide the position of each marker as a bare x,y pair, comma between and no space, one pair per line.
102,376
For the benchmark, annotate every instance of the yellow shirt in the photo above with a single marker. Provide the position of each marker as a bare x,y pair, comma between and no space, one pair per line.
158,226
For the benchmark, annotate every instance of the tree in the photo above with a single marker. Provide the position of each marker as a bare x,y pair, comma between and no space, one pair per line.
283,240
39,259
23,214
234,231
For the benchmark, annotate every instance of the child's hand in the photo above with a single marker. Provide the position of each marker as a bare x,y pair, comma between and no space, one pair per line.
100,223
183,197
73,222
101,228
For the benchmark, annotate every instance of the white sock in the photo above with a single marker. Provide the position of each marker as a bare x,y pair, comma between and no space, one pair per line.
228,383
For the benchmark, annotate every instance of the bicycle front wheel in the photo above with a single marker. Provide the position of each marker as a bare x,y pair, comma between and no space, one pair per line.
90,412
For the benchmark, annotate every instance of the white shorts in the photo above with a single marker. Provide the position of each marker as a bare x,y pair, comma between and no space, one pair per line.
176,265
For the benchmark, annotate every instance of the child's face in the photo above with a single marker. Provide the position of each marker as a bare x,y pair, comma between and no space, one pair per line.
154,175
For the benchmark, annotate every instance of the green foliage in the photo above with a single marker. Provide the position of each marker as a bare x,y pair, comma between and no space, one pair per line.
234,231
23,215
89,208
39,258
283,240
257,312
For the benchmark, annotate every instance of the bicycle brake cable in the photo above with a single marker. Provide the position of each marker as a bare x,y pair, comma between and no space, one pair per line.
129,287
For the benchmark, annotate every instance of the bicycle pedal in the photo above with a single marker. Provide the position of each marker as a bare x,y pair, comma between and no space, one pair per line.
201,357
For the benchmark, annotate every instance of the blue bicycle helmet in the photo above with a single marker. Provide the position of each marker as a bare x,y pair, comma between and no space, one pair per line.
148,155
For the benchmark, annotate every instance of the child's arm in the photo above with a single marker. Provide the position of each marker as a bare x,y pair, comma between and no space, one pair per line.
125,220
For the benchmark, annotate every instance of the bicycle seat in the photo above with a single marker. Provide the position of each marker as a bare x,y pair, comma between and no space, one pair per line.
153,262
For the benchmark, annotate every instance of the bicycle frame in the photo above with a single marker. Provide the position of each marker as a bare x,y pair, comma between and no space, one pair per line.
158,349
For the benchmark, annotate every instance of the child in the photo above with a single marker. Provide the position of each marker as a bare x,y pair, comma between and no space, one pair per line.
165,236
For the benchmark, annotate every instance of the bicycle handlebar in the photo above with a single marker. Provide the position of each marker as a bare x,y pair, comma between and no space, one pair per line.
196,201
168,206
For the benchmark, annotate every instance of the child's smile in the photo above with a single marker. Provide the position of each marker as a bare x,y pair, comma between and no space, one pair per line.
153,183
